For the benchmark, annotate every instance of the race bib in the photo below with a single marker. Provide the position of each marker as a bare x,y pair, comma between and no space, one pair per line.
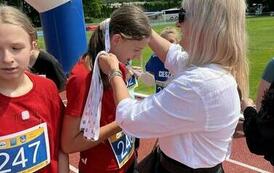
25,151
132,82
122,146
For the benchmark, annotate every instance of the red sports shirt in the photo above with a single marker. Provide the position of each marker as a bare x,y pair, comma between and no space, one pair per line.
43,105
99,159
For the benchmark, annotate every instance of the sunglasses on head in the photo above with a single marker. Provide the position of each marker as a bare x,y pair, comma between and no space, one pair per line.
182,13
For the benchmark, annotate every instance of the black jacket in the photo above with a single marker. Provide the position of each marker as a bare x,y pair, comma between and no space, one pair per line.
47,65
259,127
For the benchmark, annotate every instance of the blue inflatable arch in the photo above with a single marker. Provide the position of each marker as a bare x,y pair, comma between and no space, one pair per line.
64,29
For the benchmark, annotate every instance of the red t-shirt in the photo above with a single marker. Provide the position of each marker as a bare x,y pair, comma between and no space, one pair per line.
43,104
99,159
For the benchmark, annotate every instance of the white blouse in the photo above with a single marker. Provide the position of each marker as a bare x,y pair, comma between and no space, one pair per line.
194,117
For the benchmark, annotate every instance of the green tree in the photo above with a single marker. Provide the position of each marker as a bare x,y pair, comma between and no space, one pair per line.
25,8
15,3
92,8
268,4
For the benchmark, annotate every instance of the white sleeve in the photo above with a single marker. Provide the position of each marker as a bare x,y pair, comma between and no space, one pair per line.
176,59
166,113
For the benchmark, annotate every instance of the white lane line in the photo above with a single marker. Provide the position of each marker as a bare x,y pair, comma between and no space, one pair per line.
246,166
73,169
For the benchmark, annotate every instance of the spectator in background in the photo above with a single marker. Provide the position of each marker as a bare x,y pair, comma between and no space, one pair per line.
43,63
258,125
155,66
267,79
259,119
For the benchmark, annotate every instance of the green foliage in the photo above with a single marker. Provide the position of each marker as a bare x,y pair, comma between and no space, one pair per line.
32,14
160,5
261,48
268,4
26,8
92,8
106,11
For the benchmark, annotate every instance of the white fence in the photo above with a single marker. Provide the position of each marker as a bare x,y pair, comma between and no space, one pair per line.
161,18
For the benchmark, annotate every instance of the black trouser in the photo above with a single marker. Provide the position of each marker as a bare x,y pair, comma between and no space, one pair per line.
168,165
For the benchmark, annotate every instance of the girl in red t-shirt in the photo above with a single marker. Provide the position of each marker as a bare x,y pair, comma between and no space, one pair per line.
129,32
30,107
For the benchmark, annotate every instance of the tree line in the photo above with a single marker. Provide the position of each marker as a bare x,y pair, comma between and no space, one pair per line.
103,8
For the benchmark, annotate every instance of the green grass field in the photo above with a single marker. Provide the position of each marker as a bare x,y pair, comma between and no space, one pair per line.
260,50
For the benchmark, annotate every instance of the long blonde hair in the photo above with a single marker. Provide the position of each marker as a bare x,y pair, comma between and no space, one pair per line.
11,15
217,35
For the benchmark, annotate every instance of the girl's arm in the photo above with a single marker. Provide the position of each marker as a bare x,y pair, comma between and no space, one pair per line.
109,64
72,139
63,164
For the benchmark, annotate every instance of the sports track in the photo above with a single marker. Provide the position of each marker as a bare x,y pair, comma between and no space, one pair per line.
240,161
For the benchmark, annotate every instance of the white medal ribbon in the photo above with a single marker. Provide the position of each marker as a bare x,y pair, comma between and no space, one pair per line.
90,122
107,37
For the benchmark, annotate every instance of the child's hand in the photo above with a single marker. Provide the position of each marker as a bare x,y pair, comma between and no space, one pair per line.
108,63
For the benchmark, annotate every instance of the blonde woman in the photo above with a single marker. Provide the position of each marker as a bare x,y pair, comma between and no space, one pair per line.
196,114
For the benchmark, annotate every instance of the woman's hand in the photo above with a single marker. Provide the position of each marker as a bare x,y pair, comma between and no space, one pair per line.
108,63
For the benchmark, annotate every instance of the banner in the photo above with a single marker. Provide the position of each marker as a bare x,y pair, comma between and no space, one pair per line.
45,5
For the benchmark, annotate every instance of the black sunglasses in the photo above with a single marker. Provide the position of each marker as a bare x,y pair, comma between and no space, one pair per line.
182,13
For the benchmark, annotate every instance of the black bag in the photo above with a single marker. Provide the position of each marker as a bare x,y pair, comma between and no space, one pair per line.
150,163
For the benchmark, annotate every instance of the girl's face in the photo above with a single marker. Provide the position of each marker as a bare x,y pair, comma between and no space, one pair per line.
15,51
125,49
